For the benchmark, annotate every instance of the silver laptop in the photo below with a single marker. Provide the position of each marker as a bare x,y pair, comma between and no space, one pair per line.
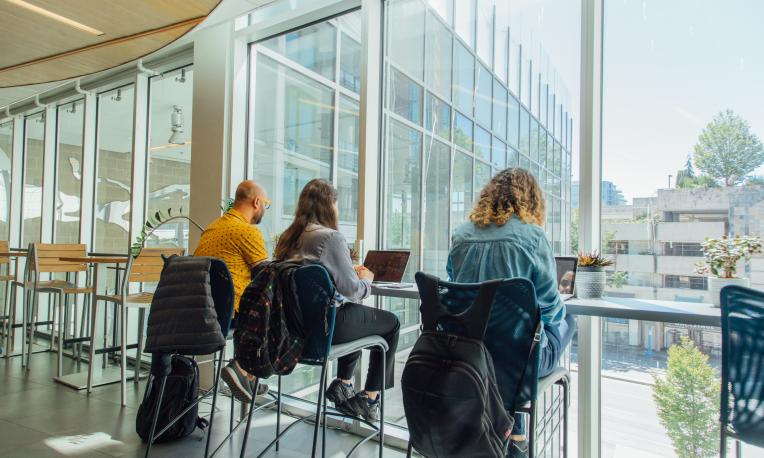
566,276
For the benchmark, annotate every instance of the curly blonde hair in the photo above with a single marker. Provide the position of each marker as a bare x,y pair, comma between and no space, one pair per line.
513,191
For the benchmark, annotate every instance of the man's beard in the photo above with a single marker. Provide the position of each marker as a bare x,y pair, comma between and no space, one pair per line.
257,219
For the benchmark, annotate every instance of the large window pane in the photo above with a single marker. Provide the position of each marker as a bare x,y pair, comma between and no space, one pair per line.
465,21
485,30
483,96
501,52
350,63
464,78
406,45
438,117
534,141
34,136
463,132
113,170
406,97
525,132
499,154
482,144
313,47
347,167
71,119
513,122
499,109
439,51
482,176
169,155
437,160
403,193
461,190
6,154
292,127
444,8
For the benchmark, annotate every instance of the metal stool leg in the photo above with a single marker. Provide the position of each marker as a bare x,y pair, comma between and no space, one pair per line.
156,416
382,405
278,414
566,399
249,419
531,430
32,327
123,353
409,449
214,403
323,421
61,332
139,350
321,390
93,324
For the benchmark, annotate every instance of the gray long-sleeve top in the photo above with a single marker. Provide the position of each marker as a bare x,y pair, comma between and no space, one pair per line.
325,246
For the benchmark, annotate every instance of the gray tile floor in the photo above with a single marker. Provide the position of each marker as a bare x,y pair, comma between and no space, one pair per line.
35,410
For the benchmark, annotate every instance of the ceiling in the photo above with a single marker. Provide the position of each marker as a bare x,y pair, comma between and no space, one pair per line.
41,46
223,12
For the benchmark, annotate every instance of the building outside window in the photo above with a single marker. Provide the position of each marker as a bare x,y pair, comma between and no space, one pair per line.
34,151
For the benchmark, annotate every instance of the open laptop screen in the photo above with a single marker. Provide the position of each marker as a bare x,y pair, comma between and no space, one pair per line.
566,274
387,266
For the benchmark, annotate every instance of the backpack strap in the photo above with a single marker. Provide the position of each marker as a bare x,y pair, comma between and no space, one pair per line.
474,319
536,340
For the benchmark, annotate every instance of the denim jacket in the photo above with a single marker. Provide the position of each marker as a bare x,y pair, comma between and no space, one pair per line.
516,249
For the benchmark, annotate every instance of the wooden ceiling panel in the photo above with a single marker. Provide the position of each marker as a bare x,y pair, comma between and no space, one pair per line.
37,48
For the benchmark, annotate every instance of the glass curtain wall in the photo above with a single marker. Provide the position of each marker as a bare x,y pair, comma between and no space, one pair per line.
304,124
113,170
451,121
6,156
169,153
687,122
34,150
304,118
71,119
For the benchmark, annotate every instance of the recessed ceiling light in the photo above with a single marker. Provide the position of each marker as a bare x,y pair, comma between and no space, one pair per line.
56,17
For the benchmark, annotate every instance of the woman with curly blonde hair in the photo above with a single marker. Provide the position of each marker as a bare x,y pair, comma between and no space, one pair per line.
504,238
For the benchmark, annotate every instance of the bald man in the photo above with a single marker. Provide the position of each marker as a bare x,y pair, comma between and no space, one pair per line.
234,239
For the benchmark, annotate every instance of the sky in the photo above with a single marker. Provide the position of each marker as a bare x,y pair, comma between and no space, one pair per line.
669,67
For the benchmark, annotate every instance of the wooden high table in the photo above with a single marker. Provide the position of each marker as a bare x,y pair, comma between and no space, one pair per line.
589,313
101,376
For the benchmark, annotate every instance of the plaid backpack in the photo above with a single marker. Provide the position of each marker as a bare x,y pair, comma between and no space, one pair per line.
269,335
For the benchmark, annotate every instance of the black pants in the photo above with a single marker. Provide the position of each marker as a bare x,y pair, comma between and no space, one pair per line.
355,321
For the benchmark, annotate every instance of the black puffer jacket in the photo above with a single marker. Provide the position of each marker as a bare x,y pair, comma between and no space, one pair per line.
183,316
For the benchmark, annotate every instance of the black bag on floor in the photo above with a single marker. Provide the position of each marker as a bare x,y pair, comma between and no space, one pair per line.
450,396
181,390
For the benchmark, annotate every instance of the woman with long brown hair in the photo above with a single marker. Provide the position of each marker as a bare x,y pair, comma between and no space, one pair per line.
504,238
314,238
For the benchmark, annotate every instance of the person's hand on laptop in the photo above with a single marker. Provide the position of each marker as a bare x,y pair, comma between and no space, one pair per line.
364,273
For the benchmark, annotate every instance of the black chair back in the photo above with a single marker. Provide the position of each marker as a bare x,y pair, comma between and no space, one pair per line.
315,294
742,396
509,336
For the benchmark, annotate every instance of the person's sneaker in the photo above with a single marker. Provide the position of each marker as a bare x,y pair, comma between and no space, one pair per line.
518,449
237,382
339,393
262,388
361,406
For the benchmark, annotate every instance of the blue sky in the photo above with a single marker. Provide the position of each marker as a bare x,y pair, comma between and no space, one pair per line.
670,65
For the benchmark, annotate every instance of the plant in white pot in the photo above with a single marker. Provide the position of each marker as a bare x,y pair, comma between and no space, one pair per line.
590,275
722,256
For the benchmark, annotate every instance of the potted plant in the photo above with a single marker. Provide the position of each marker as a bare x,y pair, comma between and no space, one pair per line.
590,275
721,258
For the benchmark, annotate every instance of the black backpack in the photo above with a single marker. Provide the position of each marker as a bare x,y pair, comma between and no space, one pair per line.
181,390
269,335
450,396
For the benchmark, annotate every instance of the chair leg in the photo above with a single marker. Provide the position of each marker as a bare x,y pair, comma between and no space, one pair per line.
565,399
139,350
531,431
25,310
233,408
61,332
382,406
214,403
409,450
156,416
278,414
323,423
249,419
321,389
11,331
738,449
93,324
123,353
32,327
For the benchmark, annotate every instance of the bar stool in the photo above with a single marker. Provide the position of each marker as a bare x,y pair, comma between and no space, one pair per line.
144,268
44,258
9,305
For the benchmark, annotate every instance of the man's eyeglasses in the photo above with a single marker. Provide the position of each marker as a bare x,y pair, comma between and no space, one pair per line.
266,203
